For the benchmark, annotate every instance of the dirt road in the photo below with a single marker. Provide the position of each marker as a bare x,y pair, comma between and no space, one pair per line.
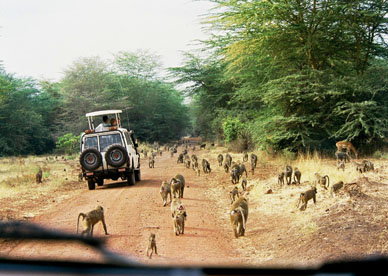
132,213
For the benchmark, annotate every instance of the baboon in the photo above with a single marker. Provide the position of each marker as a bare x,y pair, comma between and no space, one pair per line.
206,166
193,148
171,153
321,180
180,158
244,184
145,153
360,167
281,179
253,163
187,163
197,170
177,206
179,223
228,160
160,153
220,159
194,158
80,177
368,165
226,167
233,194
297,175
185,151
165,190
346,145
203,146
90,219
177,185
341,165
151,246
245,157
39,175
151,161
239,216
242,170
235,174
342,156
288,174
336,187
305,197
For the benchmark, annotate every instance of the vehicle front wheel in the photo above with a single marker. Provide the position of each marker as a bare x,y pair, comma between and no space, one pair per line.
137,175
131,179
91,185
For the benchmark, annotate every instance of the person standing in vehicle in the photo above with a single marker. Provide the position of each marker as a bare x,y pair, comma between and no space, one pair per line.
104,126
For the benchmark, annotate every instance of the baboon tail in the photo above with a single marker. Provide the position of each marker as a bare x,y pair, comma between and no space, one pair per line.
83,217
328,181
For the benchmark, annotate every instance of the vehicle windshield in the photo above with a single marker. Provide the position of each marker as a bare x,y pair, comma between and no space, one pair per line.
109,139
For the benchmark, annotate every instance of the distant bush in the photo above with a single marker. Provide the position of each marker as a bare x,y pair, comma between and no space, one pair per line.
68,143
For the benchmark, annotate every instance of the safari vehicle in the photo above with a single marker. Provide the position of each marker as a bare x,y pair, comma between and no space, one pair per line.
109,152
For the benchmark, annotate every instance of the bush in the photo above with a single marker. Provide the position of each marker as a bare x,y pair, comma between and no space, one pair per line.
68,143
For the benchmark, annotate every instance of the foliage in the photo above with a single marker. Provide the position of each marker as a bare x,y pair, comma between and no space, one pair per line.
68,143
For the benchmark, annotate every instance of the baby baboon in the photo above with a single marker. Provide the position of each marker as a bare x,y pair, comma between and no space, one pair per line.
165,190
288,174
228,160
281,179
151,161
245,157
203,146
220,159
80,177
226,167
297,175
39,175
187,163
306,196
321,180
235,174
239,216
336,187
233,194
90,219
253,162
151,246
341,165
244,184
177,185
206,166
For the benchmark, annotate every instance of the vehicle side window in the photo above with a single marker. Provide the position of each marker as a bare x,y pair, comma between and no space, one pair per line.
91,142
128,139
107,140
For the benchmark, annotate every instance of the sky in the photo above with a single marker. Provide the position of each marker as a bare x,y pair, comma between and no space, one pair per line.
41,38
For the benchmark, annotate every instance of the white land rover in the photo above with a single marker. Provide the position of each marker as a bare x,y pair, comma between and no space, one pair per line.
108,151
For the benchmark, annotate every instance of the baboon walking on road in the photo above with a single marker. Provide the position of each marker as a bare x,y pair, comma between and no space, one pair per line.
288,174
305,197
165,190
239,216
151,246
220,159
253,162
297,175
90,219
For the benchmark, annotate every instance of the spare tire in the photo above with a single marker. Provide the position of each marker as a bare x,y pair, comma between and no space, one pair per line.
116,156
90,159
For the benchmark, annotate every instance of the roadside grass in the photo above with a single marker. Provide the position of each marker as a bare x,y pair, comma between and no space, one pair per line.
18,185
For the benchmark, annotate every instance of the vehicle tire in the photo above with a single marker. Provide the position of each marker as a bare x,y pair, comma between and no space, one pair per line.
91,185
116,156
100,181
90,159
131,179
137,175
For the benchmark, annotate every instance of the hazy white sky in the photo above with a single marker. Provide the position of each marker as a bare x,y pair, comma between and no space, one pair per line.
40,38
